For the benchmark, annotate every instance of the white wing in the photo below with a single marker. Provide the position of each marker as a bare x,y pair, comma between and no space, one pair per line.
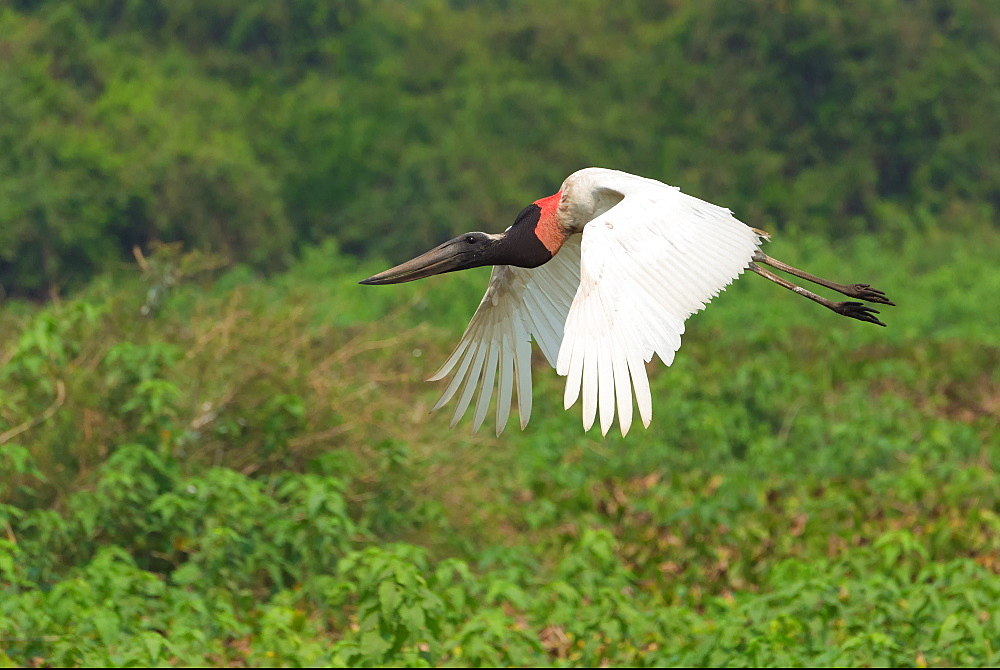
520,303
648,263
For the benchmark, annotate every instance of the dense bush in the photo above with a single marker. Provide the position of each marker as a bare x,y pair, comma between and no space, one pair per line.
251,128
250,477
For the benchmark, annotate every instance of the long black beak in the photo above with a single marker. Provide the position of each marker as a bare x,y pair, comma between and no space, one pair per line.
447,257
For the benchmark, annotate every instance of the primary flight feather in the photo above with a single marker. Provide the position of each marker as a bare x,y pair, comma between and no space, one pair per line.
602,275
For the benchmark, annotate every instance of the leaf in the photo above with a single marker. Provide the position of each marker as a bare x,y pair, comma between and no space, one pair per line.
414,619
373,646
389,597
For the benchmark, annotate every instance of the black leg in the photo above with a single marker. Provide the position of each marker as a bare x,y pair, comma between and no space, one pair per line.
855,310
859,291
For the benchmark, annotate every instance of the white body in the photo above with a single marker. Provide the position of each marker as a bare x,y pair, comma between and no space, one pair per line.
641,259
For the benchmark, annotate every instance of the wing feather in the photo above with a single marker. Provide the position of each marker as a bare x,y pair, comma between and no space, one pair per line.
572,365
450,363
495,350
589,367
606,391
647,264
522,369
506,365
623,386
486,388
459,376
474,375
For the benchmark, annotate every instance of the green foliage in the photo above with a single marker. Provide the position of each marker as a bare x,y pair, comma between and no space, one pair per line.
201,466
396,611
251,477
251,129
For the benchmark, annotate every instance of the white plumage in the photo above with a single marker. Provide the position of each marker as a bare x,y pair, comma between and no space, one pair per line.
642,258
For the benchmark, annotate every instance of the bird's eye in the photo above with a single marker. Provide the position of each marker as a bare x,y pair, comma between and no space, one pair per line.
470,239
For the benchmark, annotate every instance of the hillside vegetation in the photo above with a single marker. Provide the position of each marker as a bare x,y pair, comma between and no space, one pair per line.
255,127
217,449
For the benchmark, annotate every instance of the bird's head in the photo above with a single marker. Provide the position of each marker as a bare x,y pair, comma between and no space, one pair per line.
470,250
532,240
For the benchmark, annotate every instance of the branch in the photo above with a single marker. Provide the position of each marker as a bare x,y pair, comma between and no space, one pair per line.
44,416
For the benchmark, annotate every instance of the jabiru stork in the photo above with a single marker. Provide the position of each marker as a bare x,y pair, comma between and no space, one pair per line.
602,275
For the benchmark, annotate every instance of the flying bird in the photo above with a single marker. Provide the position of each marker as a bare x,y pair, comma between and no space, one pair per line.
602,275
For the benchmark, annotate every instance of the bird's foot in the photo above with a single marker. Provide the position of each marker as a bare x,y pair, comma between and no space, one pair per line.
856,310
867,293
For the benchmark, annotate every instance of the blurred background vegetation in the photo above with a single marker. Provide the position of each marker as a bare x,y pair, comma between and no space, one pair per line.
254,128
215,446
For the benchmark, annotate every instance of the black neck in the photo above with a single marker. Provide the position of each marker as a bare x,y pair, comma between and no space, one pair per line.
520,245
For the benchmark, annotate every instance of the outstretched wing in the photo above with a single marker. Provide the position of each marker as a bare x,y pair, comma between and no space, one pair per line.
520,303
648,263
